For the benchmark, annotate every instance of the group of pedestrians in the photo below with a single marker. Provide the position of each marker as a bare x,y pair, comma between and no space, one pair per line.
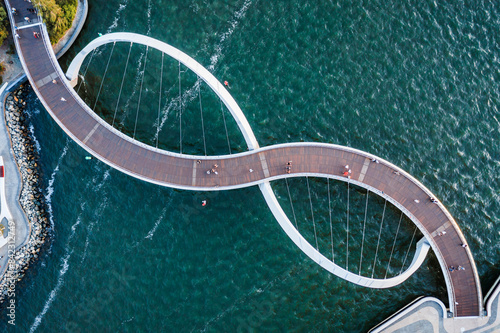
460,268
27,19
453,268
347,171
14,11
213,170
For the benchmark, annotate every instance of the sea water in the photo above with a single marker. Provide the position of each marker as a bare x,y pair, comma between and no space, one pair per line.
414,82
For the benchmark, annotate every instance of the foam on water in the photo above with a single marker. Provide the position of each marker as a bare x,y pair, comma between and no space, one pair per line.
53,293
50,188
191,93
89,233
233,24
187,96
137,82
37,143
64,264
113,25
102,206
157,223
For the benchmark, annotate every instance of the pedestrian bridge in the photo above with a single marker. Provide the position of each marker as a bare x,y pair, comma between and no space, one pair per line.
258,166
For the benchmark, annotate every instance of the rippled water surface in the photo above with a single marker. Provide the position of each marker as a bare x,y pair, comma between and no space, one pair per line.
414,82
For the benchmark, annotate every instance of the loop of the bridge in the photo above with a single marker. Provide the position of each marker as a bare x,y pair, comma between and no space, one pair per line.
180,110
263,182
407,252
142,74
197,86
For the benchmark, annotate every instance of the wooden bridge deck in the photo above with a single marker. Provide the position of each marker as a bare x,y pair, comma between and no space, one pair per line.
234,171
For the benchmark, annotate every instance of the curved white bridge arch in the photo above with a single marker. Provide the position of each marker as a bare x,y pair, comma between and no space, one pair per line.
423,245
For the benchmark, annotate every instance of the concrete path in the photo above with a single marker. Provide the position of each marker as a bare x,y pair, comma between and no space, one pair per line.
5,215
428,314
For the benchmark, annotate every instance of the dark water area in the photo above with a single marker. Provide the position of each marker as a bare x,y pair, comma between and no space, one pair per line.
414,82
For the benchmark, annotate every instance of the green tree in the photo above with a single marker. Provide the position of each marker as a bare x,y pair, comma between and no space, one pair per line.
58,16
4,26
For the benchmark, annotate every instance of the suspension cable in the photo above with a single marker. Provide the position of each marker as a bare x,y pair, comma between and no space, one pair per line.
407,252
393,245
86,69
180,109
121,86
201,113
378,241
225,126
140,91
347,238
291,204
330,214
312,213
104,76
159,101
364,225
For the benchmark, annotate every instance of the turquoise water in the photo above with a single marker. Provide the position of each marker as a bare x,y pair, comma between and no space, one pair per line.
412,82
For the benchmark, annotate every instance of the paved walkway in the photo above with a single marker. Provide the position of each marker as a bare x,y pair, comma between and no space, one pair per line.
429,315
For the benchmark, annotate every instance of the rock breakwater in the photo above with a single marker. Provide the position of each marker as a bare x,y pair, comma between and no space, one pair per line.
31,198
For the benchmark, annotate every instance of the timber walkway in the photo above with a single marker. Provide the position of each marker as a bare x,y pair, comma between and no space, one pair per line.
268,163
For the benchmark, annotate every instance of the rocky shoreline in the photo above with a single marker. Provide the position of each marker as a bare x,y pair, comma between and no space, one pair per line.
31,198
